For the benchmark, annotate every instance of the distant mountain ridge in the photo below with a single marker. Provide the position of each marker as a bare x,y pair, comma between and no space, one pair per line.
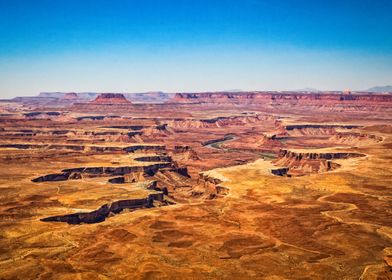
308,89
380,89
141,97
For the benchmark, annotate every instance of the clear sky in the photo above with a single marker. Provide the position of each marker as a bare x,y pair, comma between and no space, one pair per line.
193,45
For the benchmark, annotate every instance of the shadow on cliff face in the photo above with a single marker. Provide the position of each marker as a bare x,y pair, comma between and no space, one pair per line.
303,163
77,173
168,183
106,210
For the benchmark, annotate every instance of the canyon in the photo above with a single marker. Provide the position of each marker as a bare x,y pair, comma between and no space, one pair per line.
214,185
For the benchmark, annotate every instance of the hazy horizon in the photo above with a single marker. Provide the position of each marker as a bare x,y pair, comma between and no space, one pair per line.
305,89
177,46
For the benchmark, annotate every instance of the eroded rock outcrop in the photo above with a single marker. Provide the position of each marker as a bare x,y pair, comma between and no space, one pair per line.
80,148
145,148
95,118
111,171
317,155
273,97
53,177
67,135
218,121
110,99
355,139
280,171
146,131
315,129
46,115
106,210
154,158
158,130
261,143
296,163
218,140
184,153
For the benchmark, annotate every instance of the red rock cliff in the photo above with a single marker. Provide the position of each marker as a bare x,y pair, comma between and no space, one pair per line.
271,97
110,98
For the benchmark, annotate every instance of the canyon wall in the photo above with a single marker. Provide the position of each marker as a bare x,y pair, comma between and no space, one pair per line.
264,97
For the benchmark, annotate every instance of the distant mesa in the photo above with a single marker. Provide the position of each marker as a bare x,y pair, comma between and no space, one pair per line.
110,98
279,97
136,97
70,96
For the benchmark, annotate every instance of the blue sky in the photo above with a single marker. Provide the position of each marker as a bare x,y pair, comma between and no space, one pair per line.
144,45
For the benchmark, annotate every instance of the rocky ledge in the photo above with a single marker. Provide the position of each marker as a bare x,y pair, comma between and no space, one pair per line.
110,98
99,215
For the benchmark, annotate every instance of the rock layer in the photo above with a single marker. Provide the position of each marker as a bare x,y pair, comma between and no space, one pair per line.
110,99
301,163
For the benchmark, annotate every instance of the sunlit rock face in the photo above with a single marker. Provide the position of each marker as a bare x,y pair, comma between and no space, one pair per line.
278,97
110,98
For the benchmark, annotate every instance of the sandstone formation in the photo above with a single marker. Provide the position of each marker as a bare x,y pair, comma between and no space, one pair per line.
216,122
303,162
110,99
104,211
70,96
226,97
